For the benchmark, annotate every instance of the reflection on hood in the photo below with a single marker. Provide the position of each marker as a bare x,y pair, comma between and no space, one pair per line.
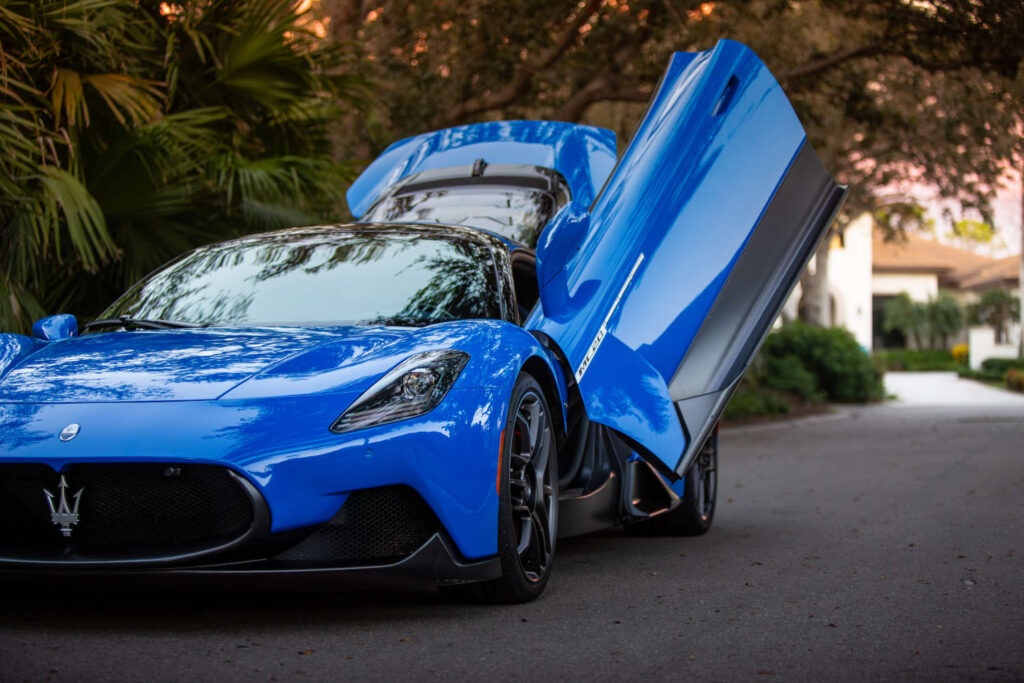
172,365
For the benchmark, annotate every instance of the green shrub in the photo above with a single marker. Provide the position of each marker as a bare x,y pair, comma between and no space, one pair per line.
799,364
995,371
789,375
751,400
1002,365
843,370
981,375
911,360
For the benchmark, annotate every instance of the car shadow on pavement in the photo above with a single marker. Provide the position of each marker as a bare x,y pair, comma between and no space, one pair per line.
169,605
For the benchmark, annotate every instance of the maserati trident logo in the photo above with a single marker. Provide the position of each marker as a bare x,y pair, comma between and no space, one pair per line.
63,515
69,432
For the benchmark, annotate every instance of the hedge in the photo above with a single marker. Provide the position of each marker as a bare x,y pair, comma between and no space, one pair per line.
996,370
1002,364
913,360
842,370
800,365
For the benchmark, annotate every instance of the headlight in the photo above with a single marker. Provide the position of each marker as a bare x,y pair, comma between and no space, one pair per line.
413,388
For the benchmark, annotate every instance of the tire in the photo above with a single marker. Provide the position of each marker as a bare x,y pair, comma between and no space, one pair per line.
695,513
527,502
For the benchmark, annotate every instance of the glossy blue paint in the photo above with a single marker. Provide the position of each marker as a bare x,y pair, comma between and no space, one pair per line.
262,403
15,348
164,365
664,235
560,242
584,155
55,327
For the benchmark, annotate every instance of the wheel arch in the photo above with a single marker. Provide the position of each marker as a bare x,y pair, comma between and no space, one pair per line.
554,393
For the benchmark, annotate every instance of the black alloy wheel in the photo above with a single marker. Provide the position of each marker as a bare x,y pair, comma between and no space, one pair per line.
527,502
705,479
696,511
532,487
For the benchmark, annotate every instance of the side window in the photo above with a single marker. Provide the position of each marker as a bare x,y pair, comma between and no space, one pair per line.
524,279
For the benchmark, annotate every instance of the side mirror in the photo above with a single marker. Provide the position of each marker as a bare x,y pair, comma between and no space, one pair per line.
560,241
558,245
55,327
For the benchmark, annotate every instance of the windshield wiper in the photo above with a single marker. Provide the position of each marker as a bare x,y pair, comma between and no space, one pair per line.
141,324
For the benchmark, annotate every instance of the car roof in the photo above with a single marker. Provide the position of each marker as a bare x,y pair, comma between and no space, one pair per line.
438,230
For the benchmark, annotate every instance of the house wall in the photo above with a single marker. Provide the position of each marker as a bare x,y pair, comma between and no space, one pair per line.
850,281
982,344
853,286
919,286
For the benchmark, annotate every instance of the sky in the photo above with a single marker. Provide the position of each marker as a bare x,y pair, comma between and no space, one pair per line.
1006,219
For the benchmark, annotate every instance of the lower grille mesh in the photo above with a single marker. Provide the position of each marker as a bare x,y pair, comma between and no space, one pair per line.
374,526
126,510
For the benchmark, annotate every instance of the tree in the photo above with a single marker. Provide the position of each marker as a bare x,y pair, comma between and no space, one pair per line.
929,324
133,130
996,308
945,318
890,91
909,318
1020,276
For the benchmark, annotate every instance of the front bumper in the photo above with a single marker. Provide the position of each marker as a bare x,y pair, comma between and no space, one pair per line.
385,531
284,449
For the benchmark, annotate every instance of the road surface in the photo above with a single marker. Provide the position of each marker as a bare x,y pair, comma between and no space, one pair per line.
881,543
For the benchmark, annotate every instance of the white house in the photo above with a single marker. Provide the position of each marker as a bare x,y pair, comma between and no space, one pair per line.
865,271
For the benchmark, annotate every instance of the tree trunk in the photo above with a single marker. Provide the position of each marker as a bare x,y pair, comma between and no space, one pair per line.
814,302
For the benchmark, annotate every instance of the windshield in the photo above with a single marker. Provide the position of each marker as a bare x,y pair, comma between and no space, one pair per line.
513,212
338,276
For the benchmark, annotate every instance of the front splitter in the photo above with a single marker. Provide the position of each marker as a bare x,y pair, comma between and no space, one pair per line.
436,560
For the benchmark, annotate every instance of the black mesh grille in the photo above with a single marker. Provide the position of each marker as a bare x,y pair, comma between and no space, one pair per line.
374,526
125,511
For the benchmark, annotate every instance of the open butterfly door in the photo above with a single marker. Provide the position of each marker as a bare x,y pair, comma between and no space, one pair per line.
690,252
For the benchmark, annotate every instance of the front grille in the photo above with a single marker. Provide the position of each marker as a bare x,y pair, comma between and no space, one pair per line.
126,511
374,526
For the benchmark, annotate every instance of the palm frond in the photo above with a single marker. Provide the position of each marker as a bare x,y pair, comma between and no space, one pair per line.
18,308
127,96
83,220
67,98
127,136
262,216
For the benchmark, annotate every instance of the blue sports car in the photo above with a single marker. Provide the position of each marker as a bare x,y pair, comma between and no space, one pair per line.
525,337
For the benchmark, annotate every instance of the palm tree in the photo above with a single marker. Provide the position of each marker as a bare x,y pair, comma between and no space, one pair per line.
133,130
998,308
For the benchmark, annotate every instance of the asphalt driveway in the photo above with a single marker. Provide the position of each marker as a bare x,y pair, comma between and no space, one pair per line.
884,543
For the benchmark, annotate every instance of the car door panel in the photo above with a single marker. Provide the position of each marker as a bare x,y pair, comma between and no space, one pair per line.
692,247
645,414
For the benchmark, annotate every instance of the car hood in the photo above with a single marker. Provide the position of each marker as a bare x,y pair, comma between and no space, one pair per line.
179,365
